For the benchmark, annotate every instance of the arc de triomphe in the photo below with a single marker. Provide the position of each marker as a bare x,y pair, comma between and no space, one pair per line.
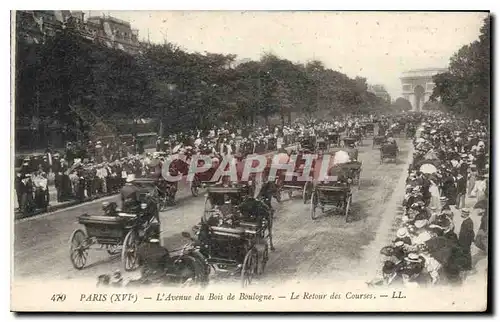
418,85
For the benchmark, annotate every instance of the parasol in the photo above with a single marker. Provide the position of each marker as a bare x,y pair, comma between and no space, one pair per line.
341,157
428,168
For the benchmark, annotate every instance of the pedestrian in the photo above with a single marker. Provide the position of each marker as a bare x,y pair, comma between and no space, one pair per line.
465,238
481,240
461,191
471,182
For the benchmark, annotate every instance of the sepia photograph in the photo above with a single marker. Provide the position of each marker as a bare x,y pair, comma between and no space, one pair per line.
221,161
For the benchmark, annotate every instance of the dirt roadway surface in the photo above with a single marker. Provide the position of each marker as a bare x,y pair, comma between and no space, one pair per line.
327,247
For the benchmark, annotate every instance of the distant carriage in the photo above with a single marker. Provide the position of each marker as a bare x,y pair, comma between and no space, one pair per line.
389,151
379,140
289,185
333,191
333,140
369,128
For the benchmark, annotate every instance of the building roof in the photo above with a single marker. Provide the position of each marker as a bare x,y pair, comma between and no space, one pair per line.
423,72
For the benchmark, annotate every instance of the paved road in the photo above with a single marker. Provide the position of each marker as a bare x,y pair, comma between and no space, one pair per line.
327,247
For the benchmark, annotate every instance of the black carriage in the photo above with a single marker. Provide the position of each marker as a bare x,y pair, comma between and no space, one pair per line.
350,141
333,139
353,172
290,184
115,233
321,145
235,233
379,140
369,128
308,143
389,151
218,195
156,190
337,195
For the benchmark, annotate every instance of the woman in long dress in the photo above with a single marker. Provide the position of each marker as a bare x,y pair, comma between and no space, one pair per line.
435,195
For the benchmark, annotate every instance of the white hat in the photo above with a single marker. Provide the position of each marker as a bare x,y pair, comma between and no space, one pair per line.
402,232
421,223
130,178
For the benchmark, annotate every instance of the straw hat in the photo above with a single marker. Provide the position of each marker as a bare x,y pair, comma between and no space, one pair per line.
421,223
402,232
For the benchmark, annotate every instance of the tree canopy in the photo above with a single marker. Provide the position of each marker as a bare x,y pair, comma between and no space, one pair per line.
86,87
465,88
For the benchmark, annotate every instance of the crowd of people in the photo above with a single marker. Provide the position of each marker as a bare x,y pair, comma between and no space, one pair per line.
450,163
86,170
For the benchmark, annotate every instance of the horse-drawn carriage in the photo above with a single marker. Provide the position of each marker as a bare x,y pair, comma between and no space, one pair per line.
321,145
158,190
115,231
333,139
335,189
295,183
235,232
379,140
369,129
350,141
308,143
389,151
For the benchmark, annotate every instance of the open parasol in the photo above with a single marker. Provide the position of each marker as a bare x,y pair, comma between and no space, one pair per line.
428,168
341,157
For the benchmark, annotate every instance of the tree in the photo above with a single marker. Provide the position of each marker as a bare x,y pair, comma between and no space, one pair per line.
466,87
401,104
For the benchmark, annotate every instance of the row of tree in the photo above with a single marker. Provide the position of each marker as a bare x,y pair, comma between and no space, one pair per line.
466,87
88,87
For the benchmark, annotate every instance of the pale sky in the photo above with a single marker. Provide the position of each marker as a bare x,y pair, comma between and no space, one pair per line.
375,45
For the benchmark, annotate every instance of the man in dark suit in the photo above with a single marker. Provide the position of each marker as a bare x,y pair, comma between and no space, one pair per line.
466,237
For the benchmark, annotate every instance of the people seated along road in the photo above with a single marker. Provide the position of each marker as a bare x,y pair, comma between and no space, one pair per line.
129,195
413,271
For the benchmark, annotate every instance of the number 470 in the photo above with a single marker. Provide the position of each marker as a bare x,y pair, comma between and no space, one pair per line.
58,298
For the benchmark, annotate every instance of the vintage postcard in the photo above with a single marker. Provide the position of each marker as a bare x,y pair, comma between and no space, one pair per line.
250,161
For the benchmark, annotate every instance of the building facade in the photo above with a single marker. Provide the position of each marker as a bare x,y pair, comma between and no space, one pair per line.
417,85
36,26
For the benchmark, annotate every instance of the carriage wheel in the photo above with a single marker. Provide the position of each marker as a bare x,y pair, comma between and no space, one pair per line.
306,192
347,208
195,187
249,267
314,204
129,251
78,248
265,258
